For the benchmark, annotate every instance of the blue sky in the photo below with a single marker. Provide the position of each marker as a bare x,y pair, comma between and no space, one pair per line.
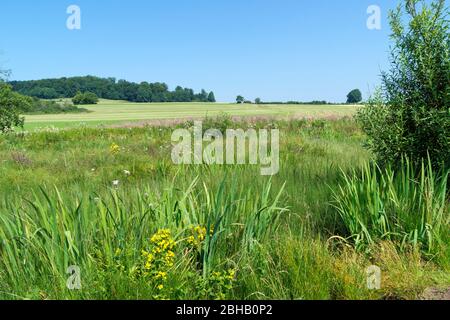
272,49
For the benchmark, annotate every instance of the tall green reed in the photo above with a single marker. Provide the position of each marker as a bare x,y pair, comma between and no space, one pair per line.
407,205
42,236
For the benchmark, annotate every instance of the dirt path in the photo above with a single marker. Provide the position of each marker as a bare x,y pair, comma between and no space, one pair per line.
436,294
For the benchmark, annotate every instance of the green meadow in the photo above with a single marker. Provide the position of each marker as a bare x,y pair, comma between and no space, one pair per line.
111,202
109,112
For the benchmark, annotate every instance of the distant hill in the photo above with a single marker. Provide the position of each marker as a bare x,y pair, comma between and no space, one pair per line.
109,88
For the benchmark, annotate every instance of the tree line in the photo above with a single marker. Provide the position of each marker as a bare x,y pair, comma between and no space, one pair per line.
354,97
109,88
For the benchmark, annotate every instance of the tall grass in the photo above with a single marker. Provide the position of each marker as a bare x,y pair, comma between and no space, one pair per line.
42,237
408,206
57,208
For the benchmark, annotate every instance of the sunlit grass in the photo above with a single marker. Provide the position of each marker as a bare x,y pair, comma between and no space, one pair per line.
276,236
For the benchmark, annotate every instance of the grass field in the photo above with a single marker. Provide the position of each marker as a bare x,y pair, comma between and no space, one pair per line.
109,112
195,232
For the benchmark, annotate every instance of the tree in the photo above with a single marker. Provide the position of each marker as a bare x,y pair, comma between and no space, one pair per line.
85,98
410,114
240,99
144,92
11,104
211,97
354,96
258,100
203,96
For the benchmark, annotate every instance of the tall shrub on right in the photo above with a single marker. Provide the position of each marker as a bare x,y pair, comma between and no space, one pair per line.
410,115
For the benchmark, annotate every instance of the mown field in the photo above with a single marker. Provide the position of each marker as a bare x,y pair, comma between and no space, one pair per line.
163,231
109,112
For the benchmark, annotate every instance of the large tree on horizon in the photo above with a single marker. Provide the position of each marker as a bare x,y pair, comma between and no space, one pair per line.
355,96
240,99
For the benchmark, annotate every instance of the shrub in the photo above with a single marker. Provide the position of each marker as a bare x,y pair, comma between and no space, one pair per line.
85,98
52,107
11,104
410,115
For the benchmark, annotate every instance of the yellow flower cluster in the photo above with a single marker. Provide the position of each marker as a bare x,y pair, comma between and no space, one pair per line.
198,235
160,258
114,149
229,275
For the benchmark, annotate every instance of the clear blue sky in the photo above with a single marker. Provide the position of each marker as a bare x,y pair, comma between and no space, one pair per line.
272,49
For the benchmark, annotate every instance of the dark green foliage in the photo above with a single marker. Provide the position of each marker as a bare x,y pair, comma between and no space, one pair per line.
354,96
211,97
410,115
240,99
43,93
11,103
52,107
109,88
85,98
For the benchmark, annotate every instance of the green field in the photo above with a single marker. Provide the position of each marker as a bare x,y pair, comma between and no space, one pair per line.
109,112
269,238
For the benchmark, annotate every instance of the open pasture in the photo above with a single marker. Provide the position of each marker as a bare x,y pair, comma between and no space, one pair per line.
109,112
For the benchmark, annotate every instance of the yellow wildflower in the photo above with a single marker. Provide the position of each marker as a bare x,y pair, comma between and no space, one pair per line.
114,149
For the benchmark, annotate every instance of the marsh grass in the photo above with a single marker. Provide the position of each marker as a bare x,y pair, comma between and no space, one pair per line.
274,235
407,205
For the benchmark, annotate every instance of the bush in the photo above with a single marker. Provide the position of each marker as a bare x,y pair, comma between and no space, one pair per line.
52,107
410,115
85,98
11,104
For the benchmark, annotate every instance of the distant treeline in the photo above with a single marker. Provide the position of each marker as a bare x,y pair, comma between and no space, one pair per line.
109,88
